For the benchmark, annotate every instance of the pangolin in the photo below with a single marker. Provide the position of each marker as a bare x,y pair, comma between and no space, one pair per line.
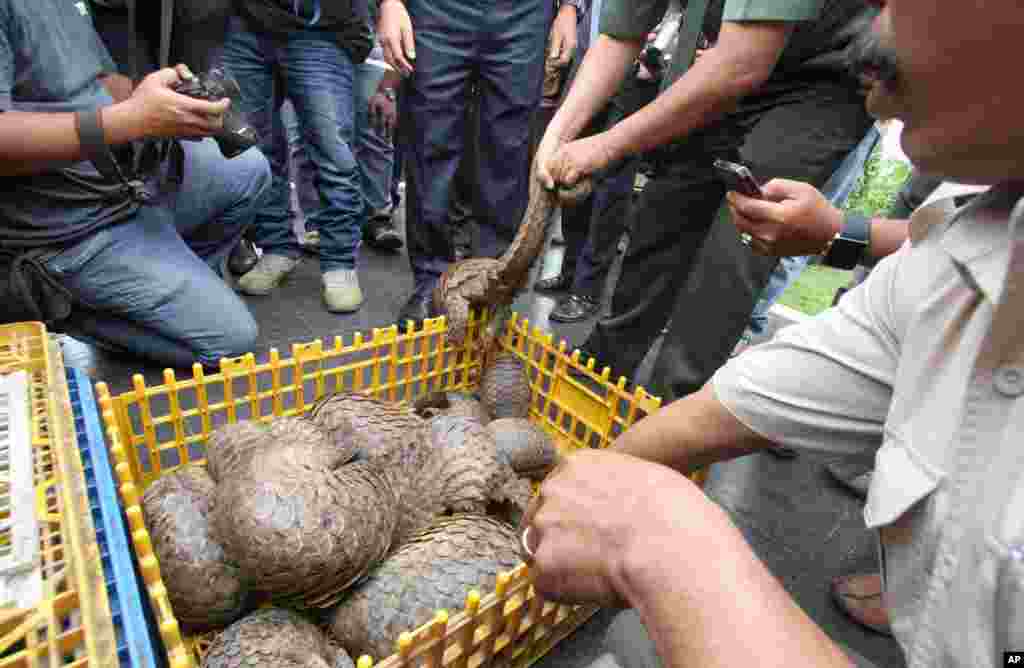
449,463
205,588
277,638
493,282
233,447
460,404
525,446
300,521
505,387
434,570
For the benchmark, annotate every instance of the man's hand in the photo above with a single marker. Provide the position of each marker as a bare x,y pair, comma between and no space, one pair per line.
580,159
598,514
383,113
396,36
155,110
793,219
563,37
118,85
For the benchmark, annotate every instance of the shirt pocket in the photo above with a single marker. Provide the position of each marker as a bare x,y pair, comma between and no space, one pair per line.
901,479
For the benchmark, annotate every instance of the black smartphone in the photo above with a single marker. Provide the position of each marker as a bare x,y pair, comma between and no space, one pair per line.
739,178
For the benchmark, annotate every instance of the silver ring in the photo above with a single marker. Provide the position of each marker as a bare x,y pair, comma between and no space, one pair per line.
746,239
525,543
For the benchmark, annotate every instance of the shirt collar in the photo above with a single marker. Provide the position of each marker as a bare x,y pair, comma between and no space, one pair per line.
978,238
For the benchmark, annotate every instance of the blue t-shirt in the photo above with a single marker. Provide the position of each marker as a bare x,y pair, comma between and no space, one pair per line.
51,59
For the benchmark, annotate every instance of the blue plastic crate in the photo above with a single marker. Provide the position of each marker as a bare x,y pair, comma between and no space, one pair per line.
137,640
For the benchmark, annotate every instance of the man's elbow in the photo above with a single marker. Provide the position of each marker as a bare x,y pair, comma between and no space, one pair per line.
747,76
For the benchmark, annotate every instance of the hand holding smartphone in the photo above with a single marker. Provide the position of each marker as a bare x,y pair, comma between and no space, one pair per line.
739,178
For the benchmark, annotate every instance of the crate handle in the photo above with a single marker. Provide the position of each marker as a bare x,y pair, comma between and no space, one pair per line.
41,504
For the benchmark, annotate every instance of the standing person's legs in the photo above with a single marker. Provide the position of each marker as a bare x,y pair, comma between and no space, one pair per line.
374,154
464,203
612,199
152,280
320,77
432,107
301,174
667,227
511,74
252,59
821,125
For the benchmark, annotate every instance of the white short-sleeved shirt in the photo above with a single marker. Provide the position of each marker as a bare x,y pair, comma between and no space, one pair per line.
923,366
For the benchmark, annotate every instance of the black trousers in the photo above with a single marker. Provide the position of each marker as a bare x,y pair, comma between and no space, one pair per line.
686,263
593,227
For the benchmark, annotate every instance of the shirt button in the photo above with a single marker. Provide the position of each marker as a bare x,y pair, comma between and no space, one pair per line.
1010,381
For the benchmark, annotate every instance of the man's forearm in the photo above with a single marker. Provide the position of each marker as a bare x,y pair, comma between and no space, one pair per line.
32,143
599,77
887,236
741,61
690,433
707,600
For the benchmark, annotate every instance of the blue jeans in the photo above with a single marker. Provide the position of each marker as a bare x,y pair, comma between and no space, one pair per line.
316,75
154,281
374,152
500,47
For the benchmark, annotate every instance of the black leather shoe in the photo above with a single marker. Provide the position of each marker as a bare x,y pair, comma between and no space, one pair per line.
782,452
416,309
558,283
243,257
574,308
381,234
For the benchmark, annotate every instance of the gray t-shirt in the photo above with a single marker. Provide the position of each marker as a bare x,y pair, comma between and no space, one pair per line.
50,61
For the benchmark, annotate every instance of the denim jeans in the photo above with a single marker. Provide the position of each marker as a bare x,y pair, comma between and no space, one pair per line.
154,281
316,75
500,48
374,152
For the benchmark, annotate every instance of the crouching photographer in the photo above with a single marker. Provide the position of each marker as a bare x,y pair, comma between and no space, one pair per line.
111,228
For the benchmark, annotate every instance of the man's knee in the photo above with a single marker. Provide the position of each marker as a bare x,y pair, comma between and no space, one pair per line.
237,337
250,172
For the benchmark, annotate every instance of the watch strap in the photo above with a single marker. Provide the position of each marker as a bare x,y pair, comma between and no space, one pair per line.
856,228
89,125
847,249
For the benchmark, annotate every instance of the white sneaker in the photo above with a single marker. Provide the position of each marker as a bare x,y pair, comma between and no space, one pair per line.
341,291
310,240
267,274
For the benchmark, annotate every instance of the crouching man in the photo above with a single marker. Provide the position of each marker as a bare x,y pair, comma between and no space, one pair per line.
110,230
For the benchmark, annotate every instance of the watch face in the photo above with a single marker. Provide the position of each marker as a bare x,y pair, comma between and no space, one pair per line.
846,253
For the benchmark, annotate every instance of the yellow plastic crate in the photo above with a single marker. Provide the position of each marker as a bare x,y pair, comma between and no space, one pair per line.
72,625
150,434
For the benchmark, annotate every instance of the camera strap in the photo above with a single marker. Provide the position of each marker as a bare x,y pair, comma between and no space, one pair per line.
90,127
689,36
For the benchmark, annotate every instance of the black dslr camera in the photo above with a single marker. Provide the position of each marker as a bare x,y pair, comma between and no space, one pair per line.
237,135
